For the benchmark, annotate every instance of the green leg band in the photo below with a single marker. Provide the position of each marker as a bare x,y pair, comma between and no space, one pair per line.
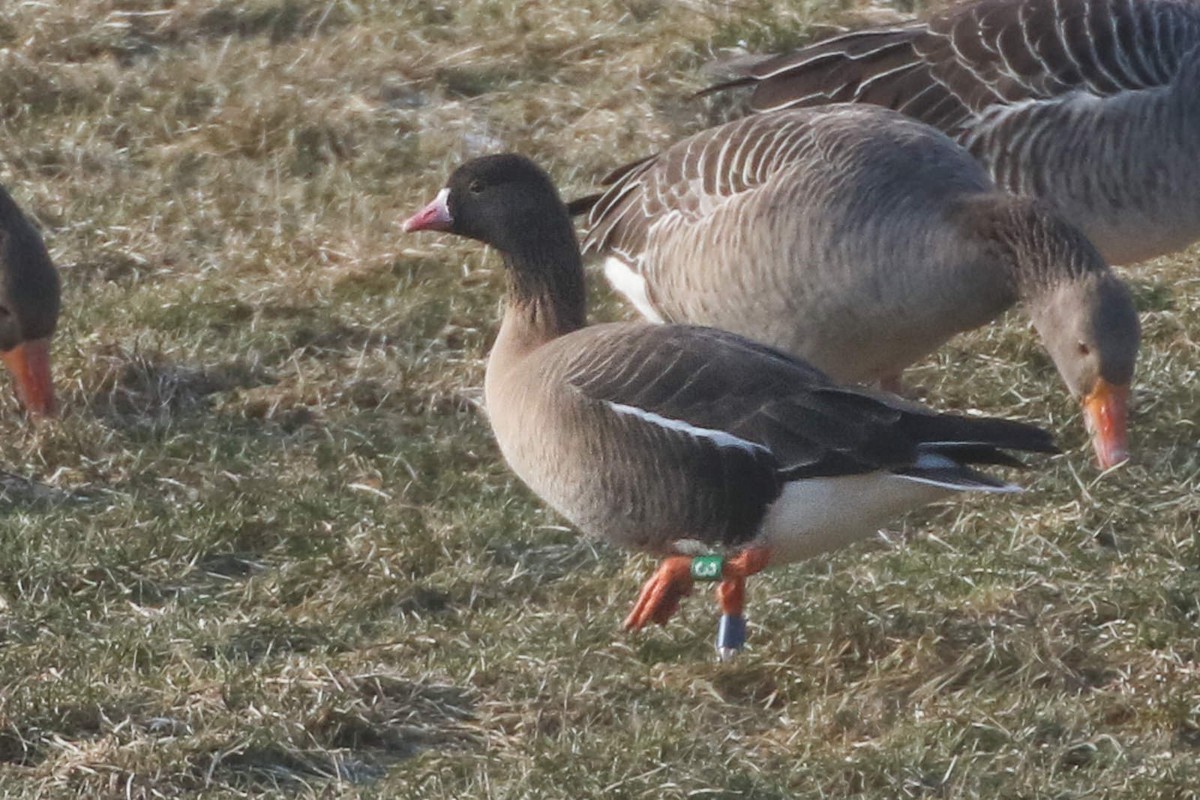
707,568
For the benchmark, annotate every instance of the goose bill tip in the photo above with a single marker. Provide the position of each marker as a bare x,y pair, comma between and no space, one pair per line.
29,363
1106,410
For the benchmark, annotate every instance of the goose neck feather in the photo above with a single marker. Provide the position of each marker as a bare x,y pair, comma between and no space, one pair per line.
30,289
1040,250
546,291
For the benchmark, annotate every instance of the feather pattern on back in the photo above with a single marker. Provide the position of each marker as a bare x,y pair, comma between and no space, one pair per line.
811,231
1091,104
731,424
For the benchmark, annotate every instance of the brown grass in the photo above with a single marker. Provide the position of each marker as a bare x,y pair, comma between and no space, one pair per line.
270,549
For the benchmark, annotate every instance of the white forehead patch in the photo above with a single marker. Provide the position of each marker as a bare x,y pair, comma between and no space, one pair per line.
442,200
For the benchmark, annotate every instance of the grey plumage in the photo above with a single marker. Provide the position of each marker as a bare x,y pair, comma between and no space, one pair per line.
857,239
1093,105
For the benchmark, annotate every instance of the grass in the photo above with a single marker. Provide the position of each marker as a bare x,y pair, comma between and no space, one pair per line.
270,548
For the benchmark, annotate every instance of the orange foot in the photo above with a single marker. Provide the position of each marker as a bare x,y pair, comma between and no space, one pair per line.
660,595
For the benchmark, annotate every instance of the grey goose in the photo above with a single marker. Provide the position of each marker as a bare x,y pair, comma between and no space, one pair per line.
677,440
861,240
29,306
1093,105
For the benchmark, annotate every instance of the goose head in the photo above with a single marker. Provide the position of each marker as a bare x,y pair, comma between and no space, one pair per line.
29,306
510,203
1090,328
503,200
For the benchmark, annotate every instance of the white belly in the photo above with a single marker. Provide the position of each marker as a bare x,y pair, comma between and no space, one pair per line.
820,514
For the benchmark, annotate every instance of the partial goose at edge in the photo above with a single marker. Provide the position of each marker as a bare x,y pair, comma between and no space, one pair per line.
29,306
1092,105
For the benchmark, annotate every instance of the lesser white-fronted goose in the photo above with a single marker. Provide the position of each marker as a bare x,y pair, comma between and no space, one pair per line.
861,240
675,439
29,303
1093,105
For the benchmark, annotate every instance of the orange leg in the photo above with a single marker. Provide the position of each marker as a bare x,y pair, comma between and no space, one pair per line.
673,580
661,594
731,595
747,562
731,591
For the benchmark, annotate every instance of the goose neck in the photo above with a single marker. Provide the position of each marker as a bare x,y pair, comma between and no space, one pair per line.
546,290
1040,250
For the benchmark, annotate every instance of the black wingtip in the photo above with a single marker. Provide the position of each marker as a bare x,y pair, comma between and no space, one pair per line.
1020,436
582,205
962,436
981,455
725,86
1030,438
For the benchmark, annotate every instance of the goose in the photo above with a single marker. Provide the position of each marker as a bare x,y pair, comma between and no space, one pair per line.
29,306
860,240
1092,105
714,452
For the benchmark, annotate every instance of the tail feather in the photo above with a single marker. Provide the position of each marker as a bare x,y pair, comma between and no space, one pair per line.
957,478
582,205
948,431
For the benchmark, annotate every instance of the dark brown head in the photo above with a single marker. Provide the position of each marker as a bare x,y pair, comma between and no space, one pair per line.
510,203
29,304
504,200
1090,328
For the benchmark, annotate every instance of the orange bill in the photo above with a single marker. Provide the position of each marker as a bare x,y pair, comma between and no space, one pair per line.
1106,410
29,362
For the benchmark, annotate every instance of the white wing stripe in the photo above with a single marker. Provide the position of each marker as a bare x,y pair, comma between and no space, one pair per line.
719,438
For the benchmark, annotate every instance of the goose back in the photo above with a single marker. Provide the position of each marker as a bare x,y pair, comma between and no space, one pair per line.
1091,104
816,231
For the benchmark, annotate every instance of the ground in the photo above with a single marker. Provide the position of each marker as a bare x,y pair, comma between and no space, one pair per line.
270,549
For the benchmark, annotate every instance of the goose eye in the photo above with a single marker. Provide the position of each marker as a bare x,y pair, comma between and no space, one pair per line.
1083,349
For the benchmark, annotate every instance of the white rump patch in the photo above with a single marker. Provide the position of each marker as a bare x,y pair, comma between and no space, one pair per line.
719,438
632,286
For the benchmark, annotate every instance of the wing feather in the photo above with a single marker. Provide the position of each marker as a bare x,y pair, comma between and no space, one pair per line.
979,54
711,380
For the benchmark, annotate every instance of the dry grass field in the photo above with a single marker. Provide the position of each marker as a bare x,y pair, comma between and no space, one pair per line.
269,548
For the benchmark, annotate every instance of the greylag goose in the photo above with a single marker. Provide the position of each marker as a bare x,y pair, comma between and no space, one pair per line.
1093,105
29,303
676,439
860,240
